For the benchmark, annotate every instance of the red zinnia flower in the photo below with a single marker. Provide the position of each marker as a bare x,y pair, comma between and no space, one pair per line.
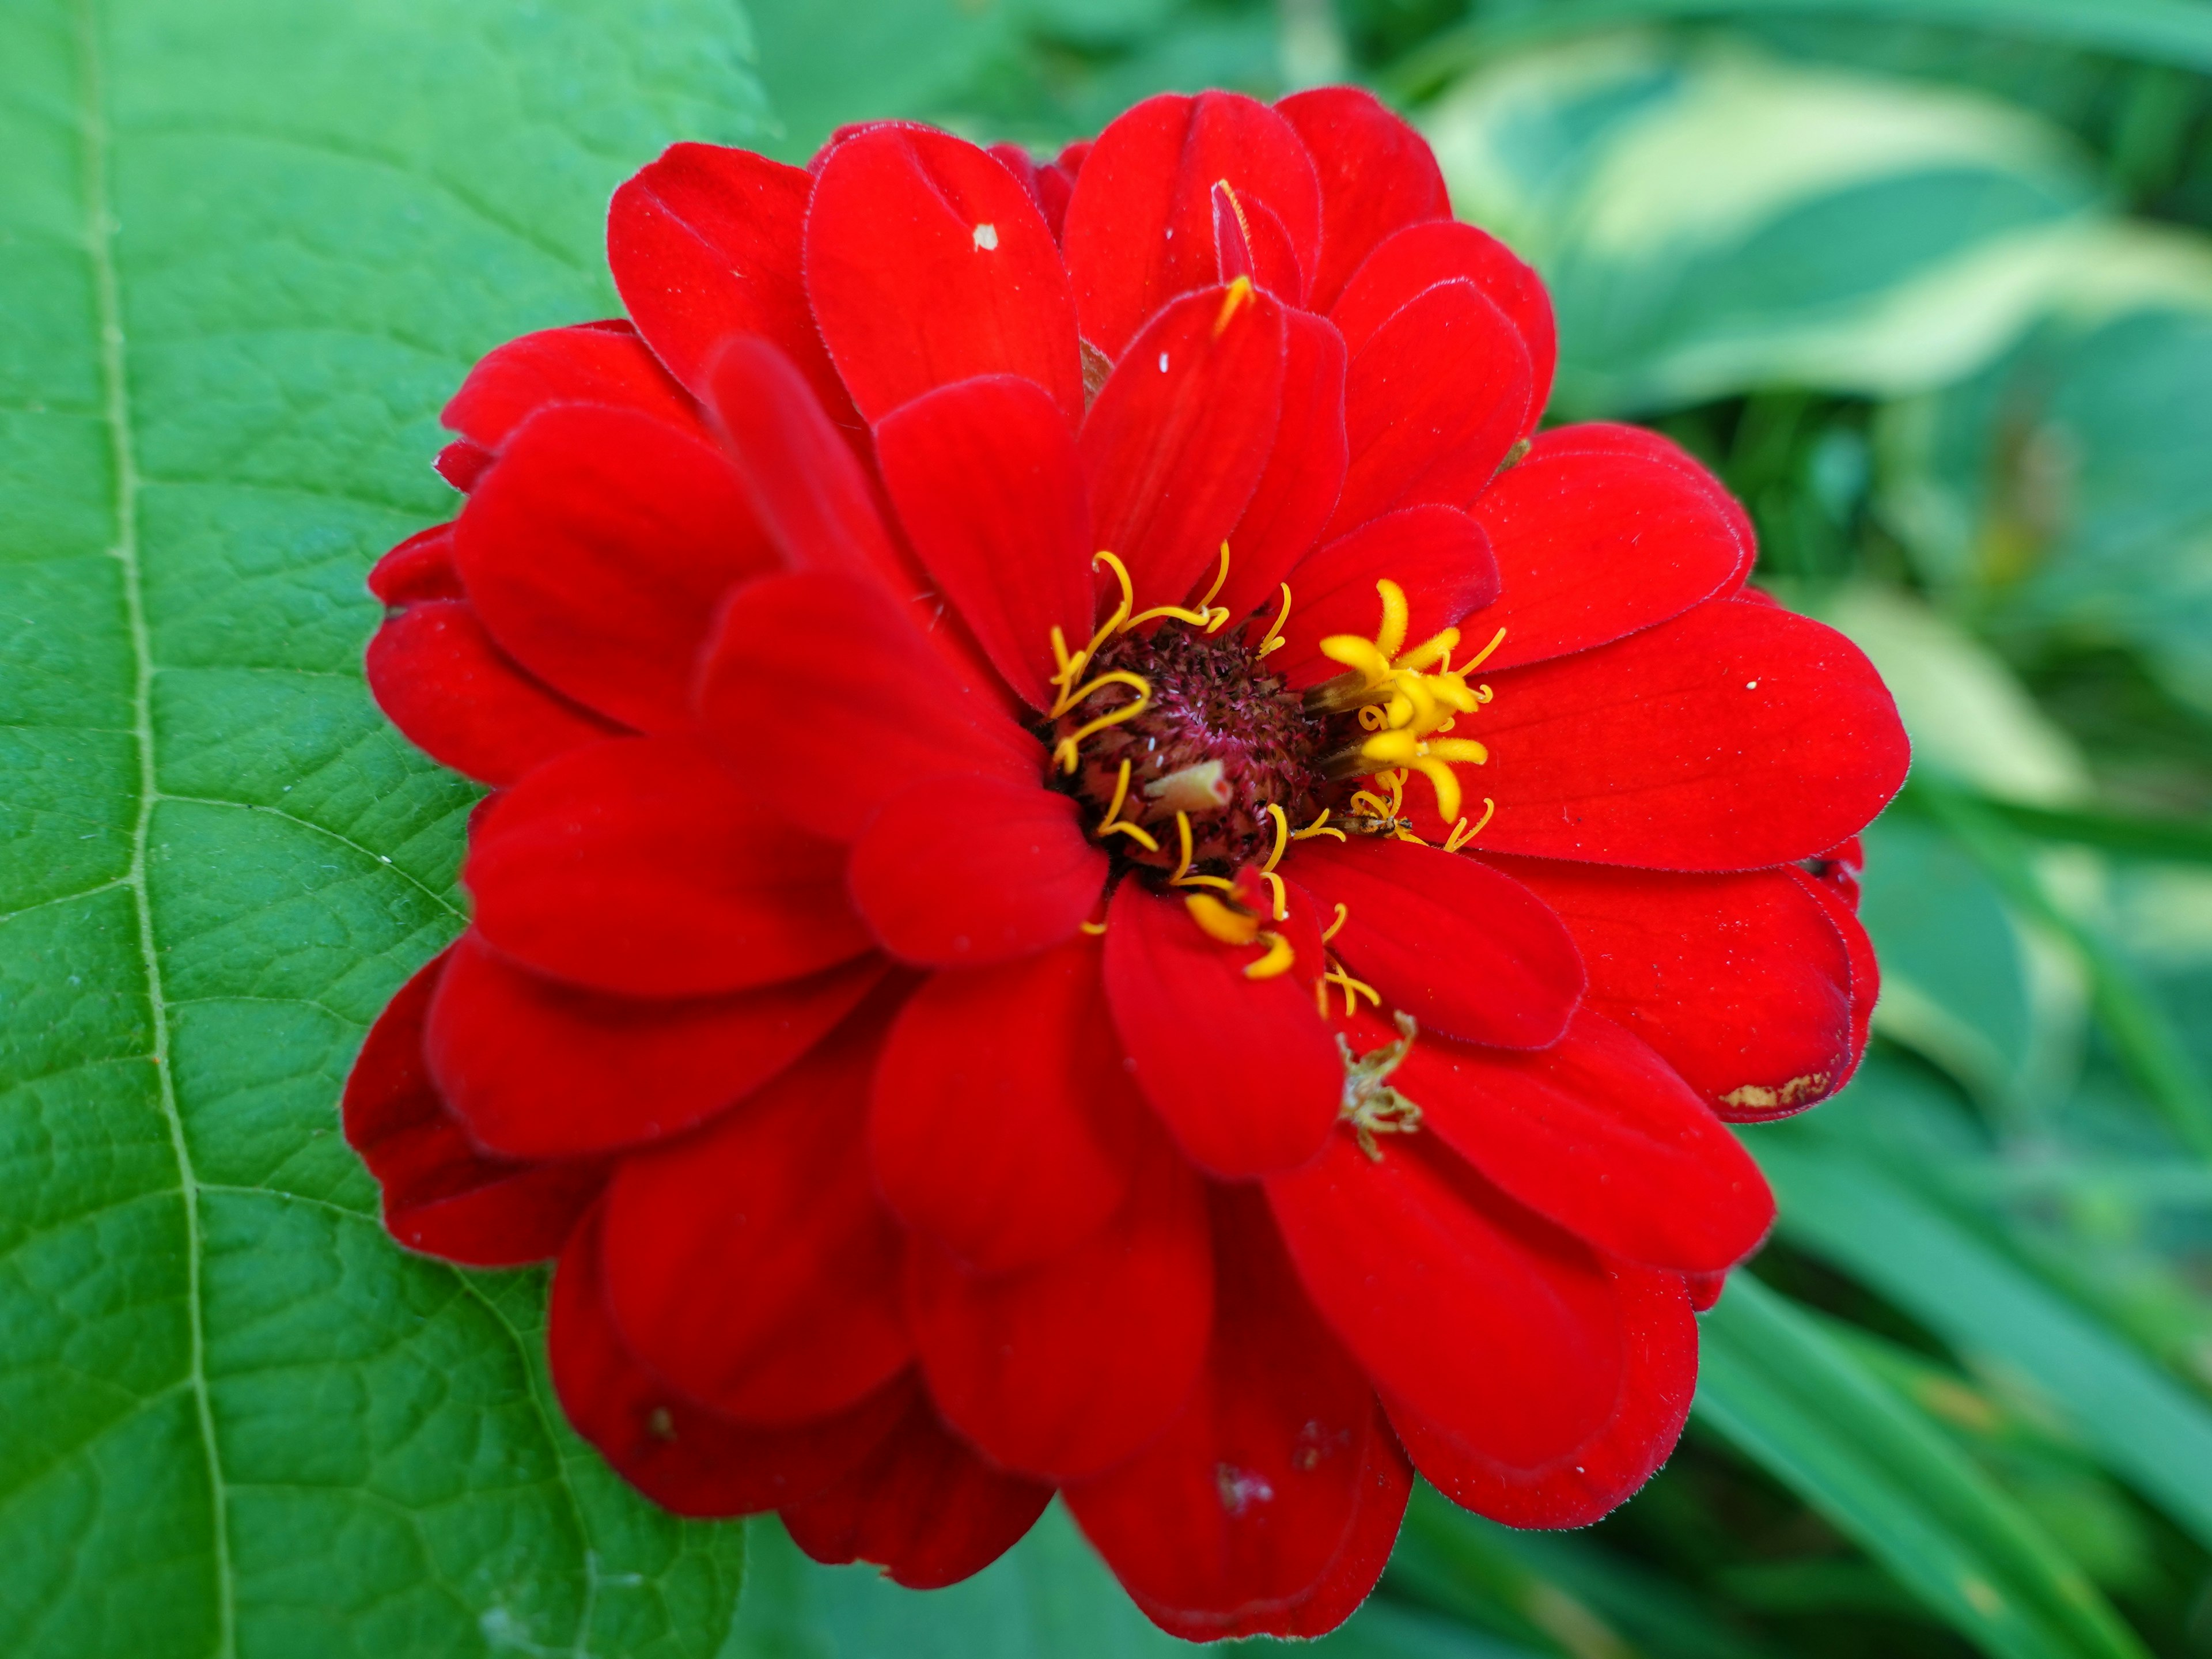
1194,1025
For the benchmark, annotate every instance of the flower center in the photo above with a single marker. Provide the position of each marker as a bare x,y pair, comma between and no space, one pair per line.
1219,740
1163,720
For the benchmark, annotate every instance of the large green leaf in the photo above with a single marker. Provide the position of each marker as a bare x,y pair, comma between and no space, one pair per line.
1050,1597
1785,1393
246,248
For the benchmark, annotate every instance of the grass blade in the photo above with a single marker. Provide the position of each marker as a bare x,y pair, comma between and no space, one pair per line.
1786,1394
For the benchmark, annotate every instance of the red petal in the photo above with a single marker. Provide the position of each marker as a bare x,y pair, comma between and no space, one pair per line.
1386,1483
923,1507
461,463
801,477
1606,438
464,702
1595,545
1420,257
1377,174
1734,736
1704,1290
443,1196
596,551
1139,230
682,1457
750,1264
538,1069
928,262
1249,240
1866,988
817,501
892,712
1230,1520
1437,555
1062,1369
1467,952
1242,1071
1579,1486
1431,402
704,243
420,568
639,866
603,363
1477,1315
1600,1135
1738,982
1048,187
1179,435
985,477
1306,469
965,871
1004,1124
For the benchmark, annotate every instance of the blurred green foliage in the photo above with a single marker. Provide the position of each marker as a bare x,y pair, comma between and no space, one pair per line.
1931,288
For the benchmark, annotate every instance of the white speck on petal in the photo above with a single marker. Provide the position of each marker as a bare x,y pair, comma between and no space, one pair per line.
986,237
1751,686
1163,362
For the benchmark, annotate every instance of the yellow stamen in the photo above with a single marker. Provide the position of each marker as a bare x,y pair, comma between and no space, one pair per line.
1203,615
1282,836
1239,296
1221,921
1483,655
1331,930
1461,835
1282,907
1277,962
1272,639
1318,827
1390,638
1111,823
1064,750
1353,989
1094,928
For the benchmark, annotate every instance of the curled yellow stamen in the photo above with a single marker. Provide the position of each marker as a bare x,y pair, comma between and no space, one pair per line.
1282,905
1282,836
1272,639
1064,750
1320,826
1335,926
1461,833
1353,989
1277,961
1094,928
1217,921
1112,823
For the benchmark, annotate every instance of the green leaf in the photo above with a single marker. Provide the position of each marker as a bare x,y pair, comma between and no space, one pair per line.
246,250
1786,1394
1050,1597
1998,1317
1710,220
2064,492
2130,1016
2176,32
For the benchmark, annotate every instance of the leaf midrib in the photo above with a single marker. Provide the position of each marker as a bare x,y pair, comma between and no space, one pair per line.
100,249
